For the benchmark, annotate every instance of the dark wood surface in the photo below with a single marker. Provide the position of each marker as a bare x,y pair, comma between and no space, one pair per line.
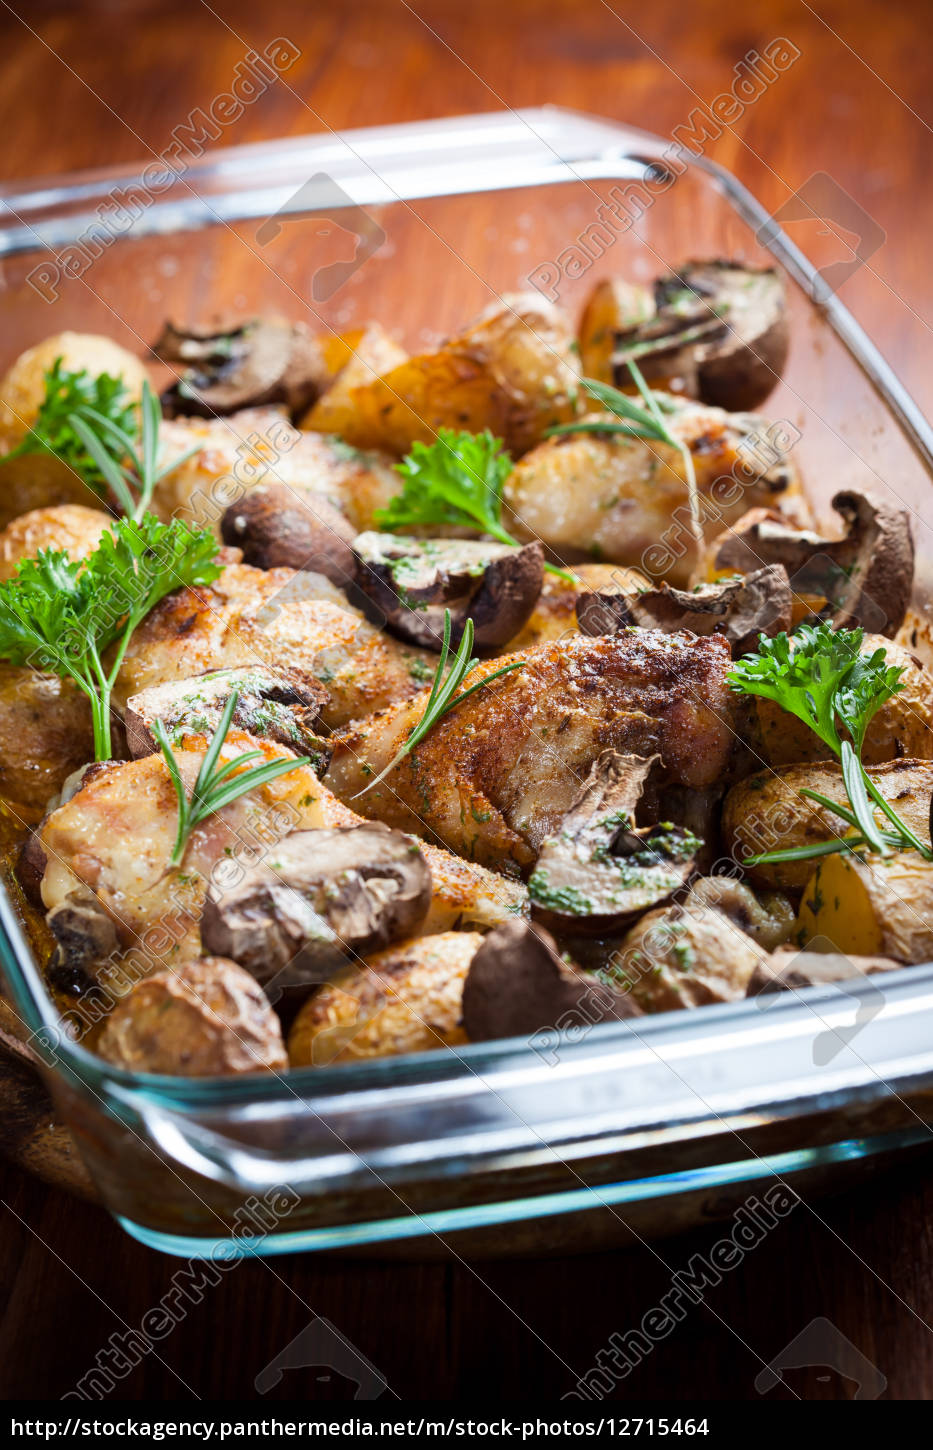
91,84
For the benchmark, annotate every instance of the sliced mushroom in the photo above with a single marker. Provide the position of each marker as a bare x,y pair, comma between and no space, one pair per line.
599,871
203,1018
864,578
319,897
264,360
739,609
519,985
413,581
768,917
85,936
273,707
719,334
274,527
788,971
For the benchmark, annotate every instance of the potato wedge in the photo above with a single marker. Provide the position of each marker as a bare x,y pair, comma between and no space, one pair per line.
902,728
766,812
613,306
367,356
405,999
874,906
513,371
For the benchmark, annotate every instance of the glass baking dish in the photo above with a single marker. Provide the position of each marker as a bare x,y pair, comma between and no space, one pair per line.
577,1140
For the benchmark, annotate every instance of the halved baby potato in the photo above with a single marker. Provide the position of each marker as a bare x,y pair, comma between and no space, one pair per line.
871,906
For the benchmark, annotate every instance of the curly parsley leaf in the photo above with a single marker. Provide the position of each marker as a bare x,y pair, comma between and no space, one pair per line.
60,615
456,481
70,396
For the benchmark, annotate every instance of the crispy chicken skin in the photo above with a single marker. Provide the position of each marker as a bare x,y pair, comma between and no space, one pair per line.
277,618
110,846
257,446
494,777
615,498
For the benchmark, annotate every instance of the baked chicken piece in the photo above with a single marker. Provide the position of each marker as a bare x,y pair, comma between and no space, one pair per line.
281,619
120,911
495,776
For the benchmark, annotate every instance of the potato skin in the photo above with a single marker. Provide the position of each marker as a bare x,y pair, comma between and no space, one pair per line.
368,356
205,1018
765,812
686,956
513,371
870,907
41,479
404,999
902,728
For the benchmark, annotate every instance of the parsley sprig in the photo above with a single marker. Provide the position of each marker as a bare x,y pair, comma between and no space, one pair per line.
92,424
458,481
636,422
441,699
216,785
61,615
71,396
820,675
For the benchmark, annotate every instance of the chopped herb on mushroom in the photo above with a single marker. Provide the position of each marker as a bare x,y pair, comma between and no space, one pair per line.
412,581
599,870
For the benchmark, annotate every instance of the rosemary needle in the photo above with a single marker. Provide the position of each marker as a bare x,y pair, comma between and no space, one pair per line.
440,700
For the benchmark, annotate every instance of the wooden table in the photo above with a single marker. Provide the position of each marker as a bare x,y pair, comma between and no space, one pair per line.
99,83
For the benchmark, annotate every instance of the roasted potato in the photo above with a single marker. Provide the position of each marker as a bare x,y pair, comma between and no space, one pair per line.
876,906
686,956
71,527
203,1018
613,306
40,479
902,728
623,499
366,357
766,812
405,999
513,371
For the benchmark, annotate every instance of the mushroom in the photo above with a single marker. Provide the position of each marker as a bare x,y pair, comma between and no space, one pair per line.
264,360
271,706
865,578
519,985
85,936
719,333
598,871
201,1019
789,971
319,897
740,609
412,582
768,917
275,527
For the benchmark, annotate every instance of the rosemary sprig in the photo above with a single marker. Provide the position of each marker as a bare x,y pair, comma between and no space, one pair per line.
77,394
131,472
216,786
440,700
646,423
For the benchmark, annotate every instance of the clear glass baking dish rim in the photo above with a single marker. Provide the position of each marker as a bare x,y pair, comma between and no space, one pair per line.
459,156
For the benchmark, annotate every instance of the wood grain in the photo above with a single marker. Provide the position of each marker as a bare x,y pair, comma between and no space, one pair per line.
93,84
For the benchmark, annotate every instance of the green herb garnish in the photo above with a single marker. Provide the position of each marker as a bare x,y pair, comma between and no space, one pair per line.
440,700
216,786
59,615
130,472
820,675
458,481
646,423
77,395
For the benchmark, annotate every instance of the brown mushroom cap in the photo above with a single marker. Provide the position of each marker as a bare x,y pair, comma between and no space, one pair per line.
598,871
261,361
275,527
270,706
790,970
865,578
739,609
412,582
519,985
720,332
318,897
203,1018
